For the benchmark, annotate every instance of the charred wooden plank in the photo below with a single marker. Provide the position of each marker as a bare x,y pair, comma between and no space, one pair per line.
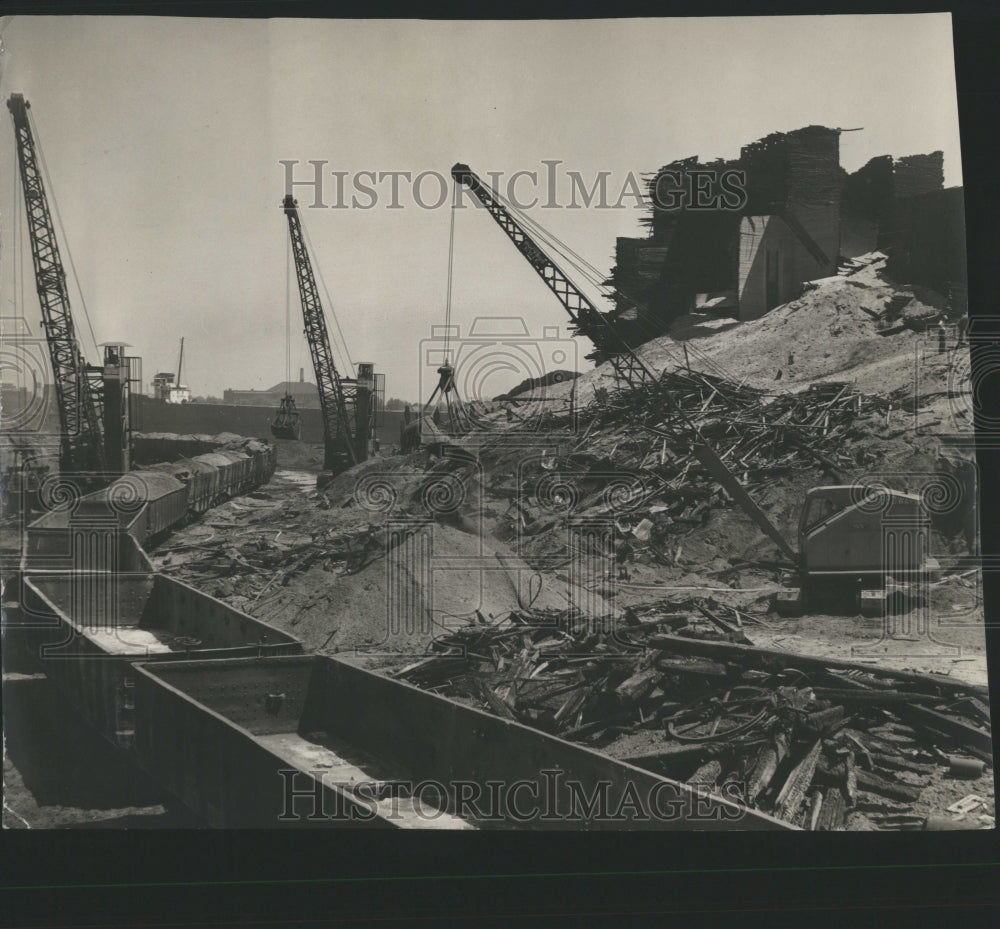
699,666
766,766
958,729
639,684
735,631
894,791
707,775
794,791
851,781
826,720
874,697
815,807
895,763
755,657
831,816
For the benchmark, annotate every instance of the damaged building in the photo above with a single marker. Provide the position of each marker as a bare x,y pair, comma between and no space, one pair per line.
800,216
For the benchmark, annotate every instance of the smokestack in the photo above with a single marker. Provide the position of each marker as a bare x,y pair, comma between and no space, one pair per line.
302,375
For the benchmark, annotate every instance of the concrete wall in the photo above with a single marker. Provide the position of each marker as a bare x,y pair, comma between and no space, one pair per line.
758,235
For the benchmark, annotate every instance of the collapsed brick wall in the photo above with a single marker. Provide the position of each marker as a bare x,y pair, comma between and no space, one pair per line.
868,192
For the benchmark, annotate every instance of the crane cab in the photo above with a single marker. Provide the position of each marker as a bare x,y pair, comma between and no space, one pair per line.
857,530
860,547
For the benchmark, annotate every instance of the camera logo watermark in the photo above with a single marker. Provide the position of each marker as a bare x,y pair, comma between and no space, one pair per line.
75,550
470,382
961,362
25,375
419,577
905,573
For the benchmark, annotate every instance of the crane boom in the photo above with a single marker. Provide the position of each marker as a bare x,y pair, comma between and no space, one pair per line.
338,433
81,443
587,319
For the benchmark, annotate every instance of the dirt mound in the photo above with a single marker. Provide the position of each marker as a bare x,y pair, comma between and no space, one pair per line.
859,327
380,561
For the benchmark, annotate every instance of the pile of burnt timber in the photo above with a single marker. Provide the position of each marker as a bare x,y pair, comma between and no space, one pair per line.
807,740
259,566
760,438
758,435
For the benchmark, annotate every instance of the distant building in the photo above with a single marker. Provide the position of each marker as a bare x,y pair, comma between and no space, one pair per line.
306,394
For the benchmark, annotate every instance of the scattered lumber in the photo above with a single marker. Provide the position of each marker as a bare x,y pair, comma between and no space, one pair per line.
806,740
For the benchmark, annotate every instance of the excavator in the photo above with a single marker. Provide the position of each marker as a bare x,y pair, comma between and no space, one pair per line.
350,407
859,548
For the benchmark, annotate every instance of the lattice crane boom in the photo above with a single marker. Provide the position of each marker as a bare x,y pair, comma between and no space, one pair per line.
587,319
334,394
81,442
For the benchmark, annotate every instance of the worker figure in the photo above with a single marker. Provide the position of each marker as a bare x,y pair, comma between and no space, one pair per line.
357,558
942,337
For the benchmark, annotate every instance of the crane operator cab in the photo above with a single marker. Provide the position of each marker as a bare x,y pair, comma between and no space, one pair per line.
859,546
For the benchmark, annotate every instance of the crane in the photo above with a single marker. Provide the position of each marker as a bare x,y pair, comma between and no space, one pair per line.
587,319
827,551
348,405
77,395
630,370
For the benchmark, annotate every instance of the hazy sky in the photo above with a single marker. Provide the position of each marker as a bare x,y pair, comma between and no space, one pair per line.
163,139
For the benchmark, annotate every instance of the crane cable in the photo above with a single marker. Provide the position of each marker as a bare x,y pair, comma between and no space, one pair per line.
451,266
341,346
588,271
17,246
288,313
62,230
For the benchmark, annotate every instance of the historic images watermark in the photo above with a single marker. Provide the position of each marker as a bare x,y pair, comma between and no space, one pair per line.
549,186
551,799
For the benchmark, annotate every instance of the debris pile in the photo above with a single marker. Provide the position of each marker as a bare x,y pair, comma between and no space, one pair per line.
641,466
235,555
821,744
